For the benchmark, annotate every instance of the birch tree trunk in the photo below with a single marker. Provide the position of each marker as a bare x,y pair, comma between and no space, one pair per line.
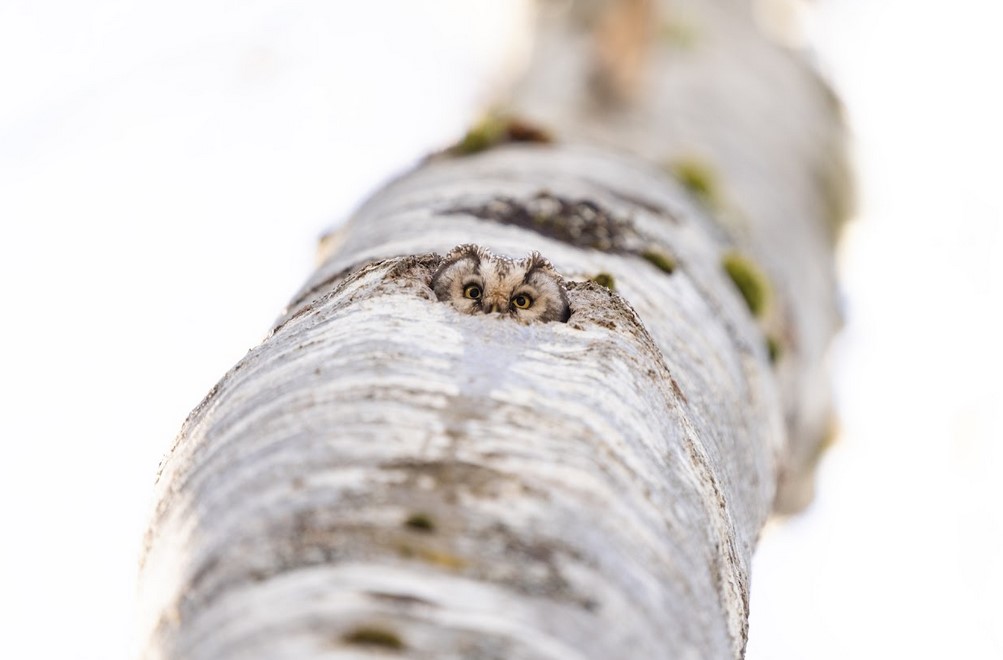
383,474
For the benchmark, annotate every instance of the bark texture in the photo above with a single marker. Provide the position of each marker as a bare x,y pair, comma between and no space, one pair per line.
385,475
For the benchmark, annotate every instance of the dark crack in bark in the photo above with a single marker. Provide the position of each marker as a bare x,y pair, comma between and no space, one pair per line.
581,223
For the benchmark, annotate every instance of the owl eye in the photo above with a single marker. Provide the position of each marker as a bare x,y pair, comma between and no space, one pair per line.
472,291
522,301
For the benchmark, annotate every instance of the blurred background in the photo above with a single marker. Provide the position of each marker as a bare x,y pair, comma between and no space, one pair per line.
166,170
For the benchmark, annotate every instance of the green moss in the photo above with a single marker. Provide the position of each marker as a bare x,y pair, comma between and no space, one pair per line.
773,349
421,522
699,178
494,129
483,135
749,279
372,636
660,260
605,279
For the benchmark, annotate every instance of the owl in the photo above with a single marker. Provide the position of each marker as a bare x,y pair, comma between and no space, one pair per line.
474,281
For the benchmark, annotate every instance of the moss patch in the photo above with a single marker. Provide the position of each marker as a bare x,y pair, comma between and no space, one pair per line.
773,349
604,279
494,129
660,260
373,636
749,280
699,178
421,522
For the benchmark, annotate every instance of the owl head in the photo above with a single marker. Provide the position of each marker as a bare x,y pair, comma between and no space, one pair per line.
474,281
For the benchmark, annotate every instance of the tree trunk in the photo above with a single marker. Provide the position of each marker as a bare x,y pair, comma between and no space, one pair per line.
386,474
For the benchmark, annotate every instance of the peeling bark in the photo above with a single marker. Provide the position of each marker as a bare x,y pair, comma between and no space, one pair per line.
386,474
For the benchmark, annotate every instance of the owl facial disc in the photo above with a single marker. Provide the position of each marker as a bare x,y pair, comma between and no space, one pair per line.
475,281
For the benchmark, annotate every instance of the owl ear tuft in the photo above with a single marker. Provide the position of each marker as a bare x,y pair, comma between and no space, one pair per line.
536,261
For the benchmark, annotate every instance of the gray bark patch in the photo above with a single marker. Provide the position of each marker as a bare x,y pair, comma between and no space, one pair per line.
581,222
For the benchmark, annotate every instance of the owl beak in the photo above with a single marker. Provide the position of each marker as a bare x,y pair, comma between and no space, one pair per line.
492,306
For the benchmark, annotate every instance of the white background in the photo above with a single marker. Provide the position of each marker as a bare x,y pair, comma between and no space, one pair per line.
166,169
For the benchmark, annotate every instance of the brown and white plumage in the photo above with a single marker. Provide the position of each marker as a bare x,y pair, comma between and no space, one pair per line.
475,281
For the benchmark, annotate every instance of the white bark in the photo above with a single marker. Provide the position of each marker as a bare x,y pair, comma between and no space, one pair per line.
385,474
